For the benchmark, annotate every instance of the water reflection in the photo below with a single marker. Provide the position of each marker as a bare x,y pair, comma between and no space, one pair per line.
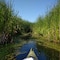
26,48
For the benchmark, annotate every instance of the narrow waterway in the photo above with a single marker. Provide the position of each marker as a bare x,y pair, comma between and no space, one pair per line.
25,50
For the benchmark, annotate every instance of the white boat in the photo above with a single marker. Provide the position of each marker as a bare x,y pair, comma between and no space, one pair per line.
31,55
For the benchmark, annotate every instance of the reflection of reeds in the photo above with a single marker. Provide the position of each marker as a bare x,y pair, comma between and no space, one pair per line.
50,53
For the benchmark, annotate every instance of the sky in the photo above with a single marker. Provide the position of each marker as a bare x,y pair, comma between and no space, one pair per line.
30,10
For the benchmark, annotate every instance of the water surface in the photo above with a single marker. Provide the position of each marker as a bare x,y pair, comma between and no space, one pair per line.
25,50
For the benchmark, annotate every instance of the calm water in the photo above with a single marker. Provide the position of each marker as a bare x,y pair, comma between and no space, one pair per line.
51,54
25,50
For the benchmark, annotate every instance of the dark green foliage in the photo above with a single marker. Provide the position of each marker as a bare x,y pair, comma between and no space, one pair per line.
10,24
